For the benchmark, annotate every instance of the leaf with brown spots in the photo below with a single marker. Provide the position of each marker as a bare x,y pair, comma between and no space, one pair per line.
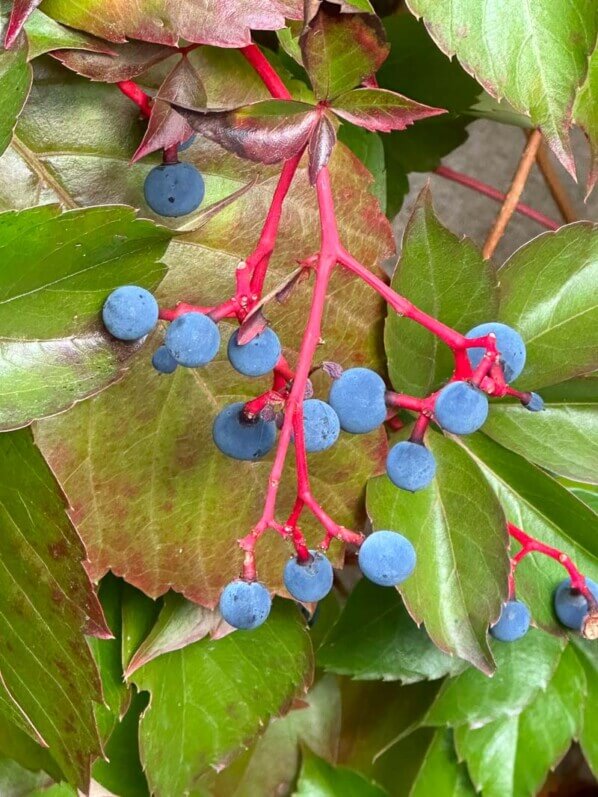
48,675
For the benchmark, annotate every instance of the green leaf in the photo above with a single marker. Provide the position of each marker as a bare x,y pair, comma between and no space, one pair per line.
18,746
588,738
48,673
164,21
433,268
458,530
440,772
44,35
512,756
15,781
341,50
53,349
270,766
318,778
563,438
535,56
381,110
523,669
369,149
375,638
546,294
139,615
585,114
541,506
15,83
231,688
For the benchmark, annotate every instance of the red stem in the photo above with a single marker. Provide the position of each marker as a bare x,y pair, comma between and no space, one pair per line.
494,193
530,545
266,72
131,90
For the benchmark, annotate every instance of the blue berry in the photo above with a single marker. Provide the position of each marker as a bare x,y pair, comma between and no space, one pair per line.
193,339
163,361
311,580
188,142
513,622
509,343
535,404
258,356
357,397
321,425
240,438
245,604
130,312
410,466
461,408
386,558
174,189
570,605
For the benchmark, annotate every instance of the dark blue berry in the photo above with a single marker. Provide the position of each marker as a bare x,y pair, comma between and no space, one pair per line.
311,580
258,356
245,604
535,404
174,189
188,142
320,424
509,343
386,558
513,622
240,438
461,408
130,312
163,361
410,466
193,339
570,605
357,397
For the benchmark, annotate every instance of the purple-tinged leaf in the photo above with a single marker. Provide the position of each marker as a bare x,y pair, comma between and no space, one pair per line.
167,128
224,23
126,62
21,10
381,110
334,370
268,132
341,50
321,143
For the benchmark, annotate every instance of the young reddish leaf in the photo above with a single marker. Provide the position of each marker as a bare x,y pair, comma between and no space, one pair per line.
253,325
225,23
21,10
381,110
321,143
268,132
341,50
167,128
121,62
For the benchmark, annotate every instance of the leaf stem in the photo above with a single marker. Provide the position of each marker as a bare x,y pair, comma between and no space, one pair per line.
131,90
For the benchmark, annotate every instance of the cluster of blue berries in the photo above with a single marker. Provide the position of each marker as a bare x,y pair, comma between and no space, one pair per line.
175,189
385,557
570,606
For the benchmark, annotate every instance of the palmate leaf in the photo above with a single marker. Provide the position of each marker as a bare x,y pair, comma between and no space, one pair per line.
458,585
235,684
49,681
512,756
227,23
88,165
533,55
53,349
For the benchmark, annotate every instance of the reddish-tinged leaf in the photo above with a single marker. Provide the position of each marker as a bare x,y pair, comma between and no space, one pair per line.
166,127
252,326
341,50
268,132
321,143
224,23
381,110
21,10
312,7
122,62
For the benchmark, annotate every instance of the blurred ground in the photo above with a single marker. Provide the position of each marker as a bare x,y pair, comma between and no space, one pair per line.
491,154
